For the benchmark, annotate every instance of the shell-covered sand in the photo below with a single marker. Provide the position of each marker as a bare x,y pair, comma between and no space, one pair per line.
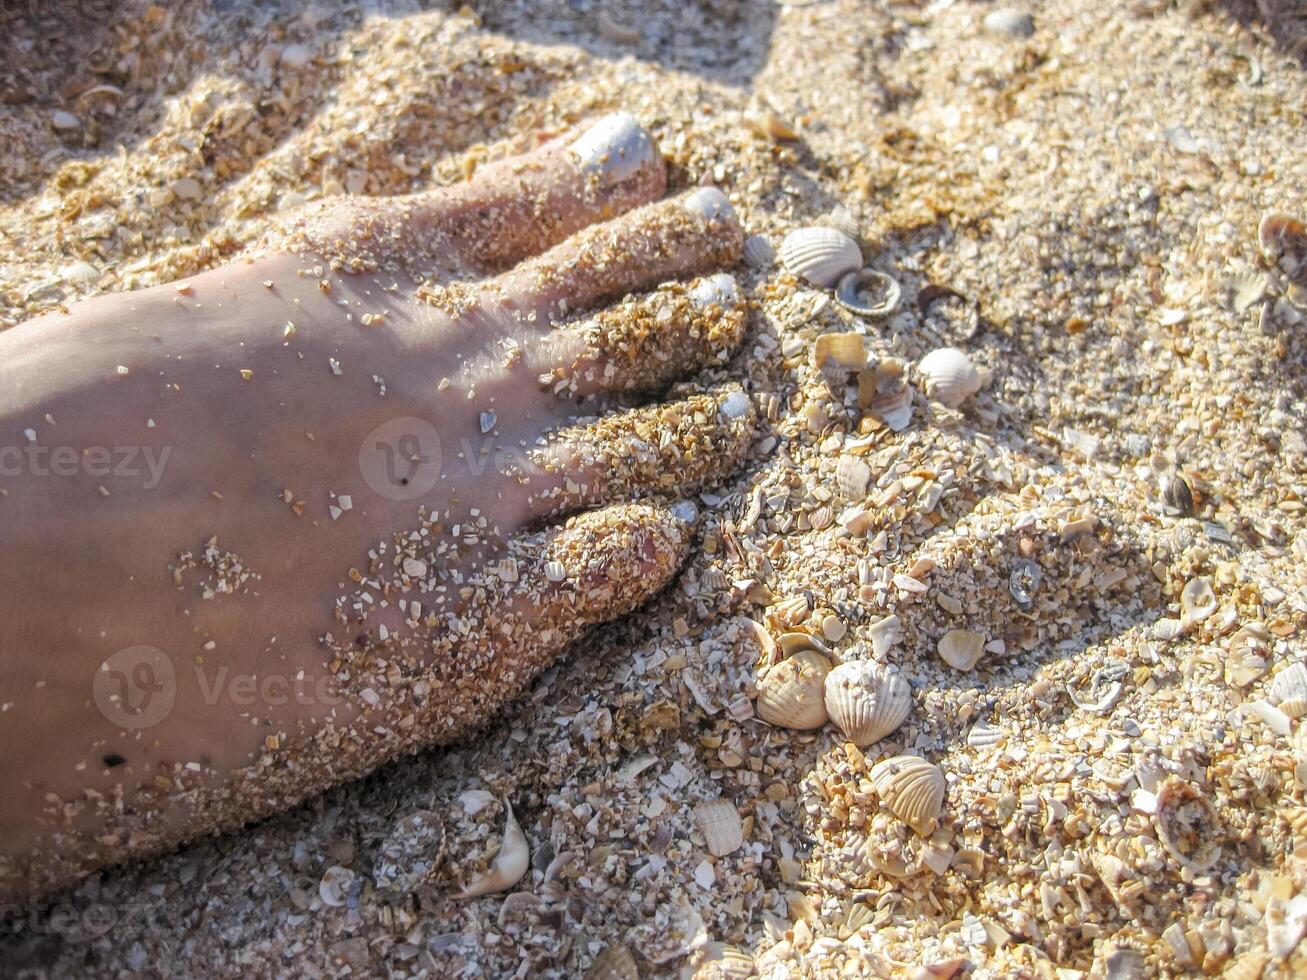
1075,208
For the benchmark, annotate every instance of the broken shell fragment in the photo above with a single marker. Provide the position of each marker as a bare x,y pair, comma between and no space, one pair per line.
1289,690
867,701
722,961
509,864
961,649
869,293
1282,236
822,256
616,962
884,633
1023,581
792,693
846,349
1188,825
912,789
1197,602
983,735
950,377
721,826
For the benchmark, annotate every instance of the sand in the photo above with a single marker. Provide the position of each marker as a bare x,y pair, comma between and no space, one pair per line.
1075,209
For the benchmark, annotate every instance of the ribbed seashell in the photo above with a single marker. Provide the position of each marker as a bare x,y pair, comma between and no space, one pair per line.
822,256
866,700
759,254
961,649
1249,966
722,961
1188,825
912,789
721,826
852,474
1289,690
869,292
950,377
714,579
555,571
848,350
983,735
616,962
1009,21
792,694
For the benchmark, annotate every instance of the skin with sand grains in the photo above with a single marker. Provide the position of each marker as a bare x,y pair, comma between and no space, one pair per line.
389,482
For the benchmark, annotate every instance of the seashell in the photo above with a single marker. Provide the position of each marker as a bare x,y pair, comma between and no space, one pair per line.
912,789
884,633
792,694
411,855
846,349
822,256
1187,825
961,649
758,253
509,864
766,645
1125,964
867,701
983,735
852,474
616,962
336,885
769,124
1249,966
1023,581
1178,495
796,641
1246,289
1285,923
1270,716
950,377
555,571
1281,236
722,961
869,293
80,273
721,826
893,408
1289,689
1013,23
1197,602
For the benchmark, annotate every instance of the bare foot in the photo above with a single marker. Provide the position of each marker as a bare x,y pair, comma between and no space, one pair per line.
267,527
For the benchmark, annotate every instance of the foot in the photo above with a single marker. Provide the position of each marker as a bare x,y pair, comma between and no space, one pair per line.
270,526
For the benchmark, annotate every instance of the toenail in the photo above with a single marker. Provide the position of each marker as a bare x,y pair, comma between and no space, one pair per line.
735,405
616,146
684,510
711,203
719,289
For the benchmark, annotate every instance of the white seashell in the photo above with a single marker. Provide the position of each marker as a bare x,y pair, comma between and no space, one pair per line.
1197,602
555,571
792,693
334,888
822,256
961,649
950,377
983,735
848,350
867,701
721,961
721,826
852,474
758,253
884,633
508,866
792,643
893,408
1285,922
1013,23
912,789
869,293
614,963
1289,690
80,273
1188,825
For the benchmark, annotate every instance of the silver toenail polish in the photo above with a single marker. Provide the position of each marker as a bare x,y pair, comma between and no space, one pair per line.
735,405
711,203
719,289
616,146
684,510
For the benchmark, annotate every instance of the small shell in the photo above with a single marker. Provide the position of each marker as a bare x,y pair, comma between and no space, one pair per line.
792,694
848,350
758,253
884,633
336,884
1289,690
721,826
822,256
1281,235
555,571
721,961
616,962
867,701
1188,825
950,377
795,641
1246,290
1197,602
912,788
869,293
509,864
1125,964
961,649
769,124
893,408
852,474
983,735
1013,23
1179,496
1285,923
1023,581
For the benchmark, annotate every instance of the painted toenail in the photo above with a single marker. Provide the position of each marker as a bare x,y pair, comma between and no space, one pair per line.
711,203
719,289
684,510
735,405
616,146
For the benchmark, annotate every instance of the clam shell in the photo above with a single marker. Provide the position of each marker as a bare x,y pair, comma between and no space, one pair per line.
721,826
950,377
792,694
759,254
1289,690
822,256
866,700
616,962
722,961
848,350
912,789
983,735
961,649
852,474
869,293
1188,825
